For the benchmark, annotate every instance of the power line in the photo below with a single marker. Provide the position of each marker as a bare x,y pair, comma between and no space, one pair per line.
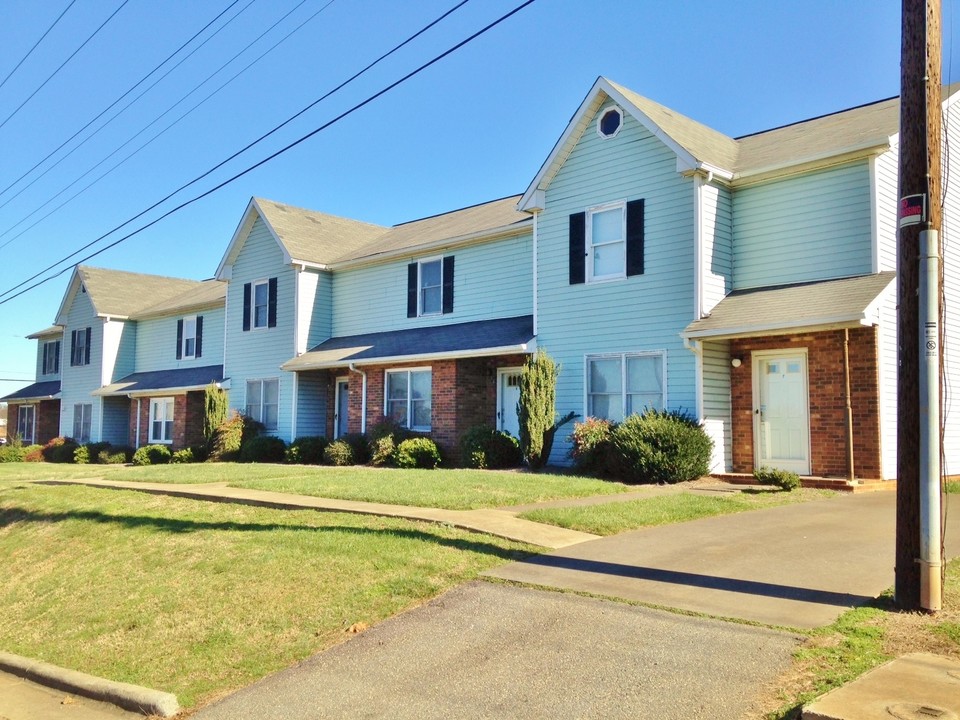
132,88
30,51
83,45
279,152
171,125
244,149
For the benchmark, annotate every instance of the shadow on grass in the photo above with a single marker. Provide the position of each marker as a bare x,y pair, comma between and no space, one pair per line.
178,526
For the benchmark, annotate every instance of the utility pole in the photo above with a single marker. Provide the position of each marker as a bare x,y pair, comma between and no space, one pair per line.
920,103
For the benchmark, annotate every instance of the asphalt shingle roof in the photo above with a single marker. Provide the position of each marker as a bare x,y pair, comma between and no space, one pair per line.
125,294
37,391
183,378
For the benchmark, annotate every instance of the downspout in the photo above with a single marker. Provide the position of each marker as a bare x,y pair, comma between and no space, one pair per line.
696,347
849,401
536,216
697,247
363,398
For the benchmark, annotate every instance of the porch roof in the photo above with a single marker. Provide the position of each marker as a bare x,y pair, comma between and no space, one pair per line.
149,383
471,339
820,305
37,391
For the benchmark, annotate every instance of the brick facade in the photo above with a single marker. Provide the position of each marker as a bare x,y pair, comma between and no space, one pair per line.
827,410
188,413
47,419
464,394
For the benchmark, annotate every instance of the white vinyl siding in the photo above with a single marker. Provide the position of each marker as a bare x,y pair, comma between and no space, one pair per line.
885,172
717,237
408,398
950,239
810,227
161,420
314,309
643,312
257,355
491,280
77,382
119,350
157,342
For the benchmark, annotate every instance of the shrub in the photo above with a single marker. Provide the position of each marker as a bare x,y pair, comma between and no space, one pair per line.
660,447
60,450
116,455
231,435
306,451
200,452
90,453
338,453
33,453
418,452
81,456
383,451
12,453
536,409
182,457
263,449
215,407
592,447
482,447
361,449
152,455
783,479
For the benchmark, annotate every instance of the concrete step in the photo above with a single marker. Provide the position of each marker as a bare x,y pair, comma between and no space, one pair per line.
820,483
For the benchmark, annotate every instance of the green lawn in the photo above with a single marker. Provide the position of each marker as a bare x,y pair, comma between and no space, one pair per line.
197,598
450,489
617,517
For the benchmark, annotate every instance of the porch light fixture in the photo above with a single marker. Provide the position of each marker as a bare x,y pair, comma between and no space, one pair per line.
736,362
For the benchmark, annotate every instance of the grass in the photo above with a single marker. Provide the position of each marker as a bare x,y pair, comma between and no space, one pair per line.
617,517
449,489
952,487
200,598
860,640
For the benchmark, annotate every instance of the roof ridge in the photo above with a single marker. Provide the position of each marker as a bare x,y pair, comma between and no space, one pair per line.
320,212
466,207
738,138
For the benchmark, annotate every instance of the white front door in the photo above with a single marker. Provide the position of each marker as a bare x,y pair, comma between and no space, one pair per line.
342,405
781,419
508,394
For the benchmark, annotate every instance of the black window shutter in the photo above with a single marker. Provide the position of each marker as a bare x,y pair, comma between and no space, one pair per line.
56,359
635,237
73,348
46,351
246,306
448,285
86,349
412,290
198,345
272,303
180,339
578,241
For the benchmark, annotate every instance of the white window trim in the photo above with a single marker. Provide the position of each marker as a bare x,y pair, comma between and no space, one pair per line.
33,424
152,438
253,304
602,114
590,212
420,264
622,356
183,340
386,396
48,356
246,404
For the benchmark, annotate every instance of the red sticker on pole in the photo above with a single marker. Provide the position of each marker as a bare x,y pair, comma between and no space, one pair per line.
913,210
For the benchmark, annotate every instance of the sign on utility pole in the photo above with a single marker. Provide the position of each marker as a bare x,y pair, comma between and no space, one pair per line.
919,215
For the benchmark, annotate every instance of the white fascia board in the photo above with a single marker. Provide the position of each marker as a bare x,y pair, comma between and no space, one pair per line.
810,163
783,328
46,334
35,398
156,392
72,288
499,233
303,363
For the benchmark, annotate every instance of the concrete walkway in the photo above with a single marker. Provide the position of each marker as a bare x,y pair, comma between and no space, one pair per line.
795,565
502,523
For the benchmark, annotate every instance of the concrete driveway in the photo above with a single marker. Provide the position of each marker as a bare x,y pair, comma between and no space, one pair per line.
796,565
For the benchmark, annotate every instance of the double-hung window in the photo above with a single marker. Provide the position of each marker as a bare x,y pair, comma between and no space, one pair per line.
261,300
189,337
80,347
260,304
623,384
26,423
408,398
607,242
161,420
51,357
263,402
82,415
431,287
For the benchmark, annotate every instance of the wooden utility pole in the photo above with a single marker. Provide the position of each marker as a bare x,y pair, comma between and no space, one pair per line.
920,102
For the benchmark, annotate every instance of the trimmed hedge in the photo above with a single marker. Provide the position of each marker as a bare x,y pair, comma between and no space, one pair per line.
115,455
152,455
482,448
263,449
660,446
418,452
181,457
306,451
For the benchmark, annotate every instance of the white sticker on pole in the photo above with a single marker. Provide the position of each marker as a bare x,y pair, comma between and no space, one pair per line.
913,210
931,334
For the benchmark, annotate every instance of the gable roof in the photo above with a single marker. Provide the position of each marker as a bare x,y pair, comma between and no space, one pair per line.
863,129
46,390
205,294
46,332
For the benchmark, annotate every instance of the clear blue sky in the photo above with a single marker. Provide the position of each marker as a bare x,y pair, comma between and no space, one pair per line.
474,127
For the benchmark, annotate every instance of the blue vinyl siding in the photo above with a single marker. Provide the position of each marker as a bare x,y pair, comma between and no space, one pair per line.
116,420
312,404
635,314
78,382
52,339
491,280
119,350
157,341
717,224
315,308
258,353
810,227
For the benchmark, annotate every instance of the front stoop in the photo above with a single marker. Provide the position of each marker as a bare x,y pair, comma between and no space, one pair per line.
918,686
819,483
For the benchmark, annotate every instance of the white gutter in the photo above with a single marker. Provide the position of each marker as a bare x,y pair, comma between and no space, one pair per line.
697,247
696,347
137,442
363,399
834,323
151,392
302,363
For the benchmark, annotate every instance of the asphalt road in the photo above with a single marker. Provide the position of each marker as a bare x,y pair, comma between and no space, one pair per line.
497,651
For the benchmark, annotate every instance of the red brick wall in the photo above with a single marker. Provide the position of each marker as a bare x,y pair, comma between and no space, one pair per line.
187,421
47,419
827,400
